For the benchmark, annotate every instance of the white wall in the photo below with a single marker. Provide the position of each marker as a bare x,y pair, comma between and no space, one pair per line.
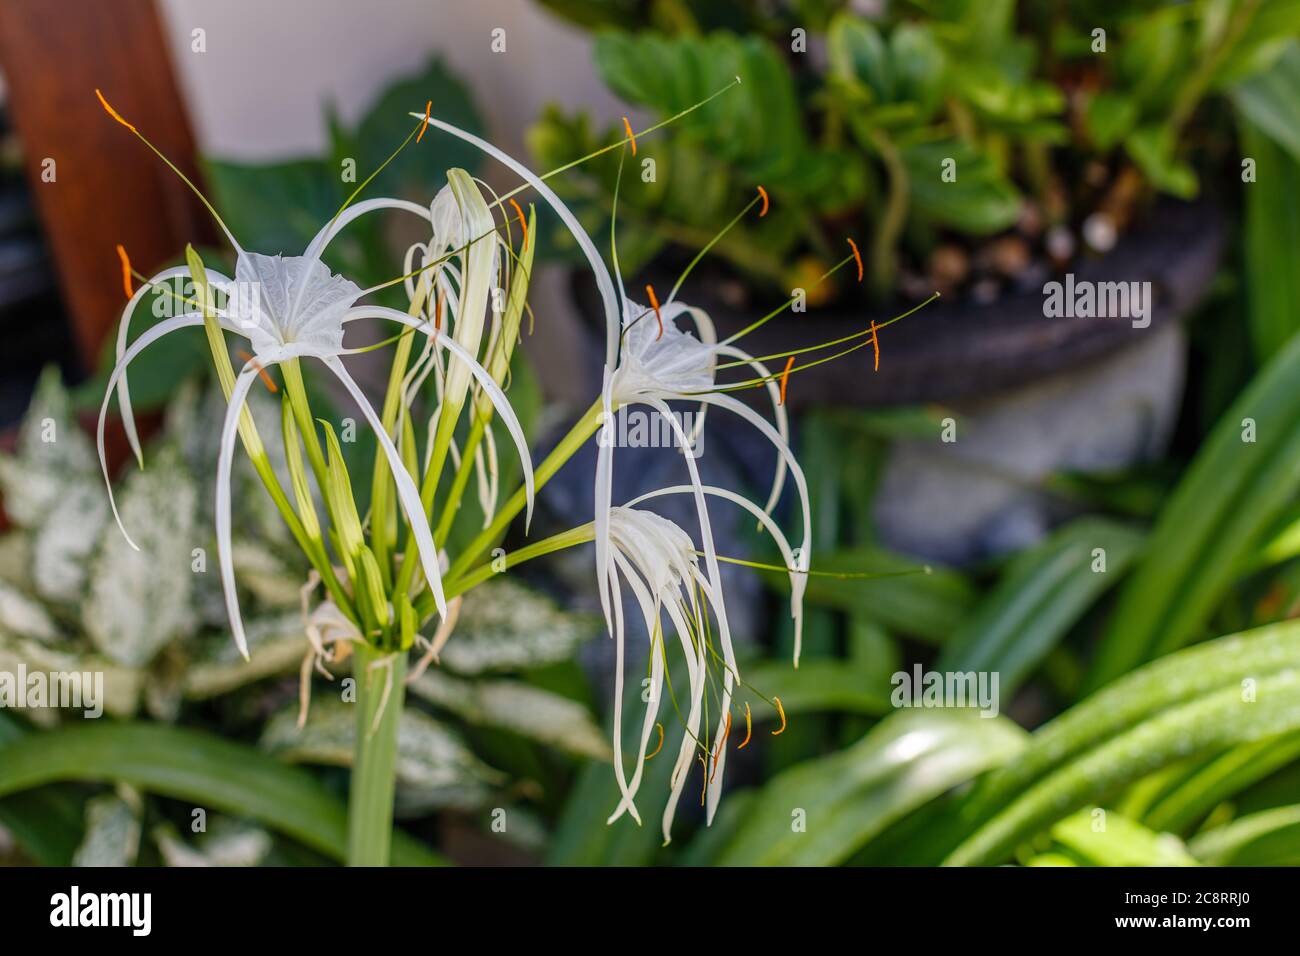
257,91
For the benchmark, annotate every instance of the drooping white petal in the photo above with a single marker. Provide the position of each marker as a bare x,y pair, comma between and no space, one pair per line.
225,458
619,635
695,664
706,538
604,484
215,279
166,327
407,493
778,412
650,614
804,556
798,580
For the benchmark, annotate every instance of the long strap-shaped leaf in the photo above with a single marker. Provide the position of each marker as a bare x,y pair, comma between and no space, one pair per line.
192,765
1231,496
1221,694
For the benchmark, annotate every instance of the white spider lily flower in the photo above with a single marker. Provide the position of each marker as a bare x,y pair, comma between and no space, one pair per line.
657,560
299,308
660,362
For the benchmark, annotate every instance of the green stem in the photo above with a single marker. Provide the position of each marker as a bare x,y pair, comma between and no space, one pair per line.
583,429
457,490
891,226
370,804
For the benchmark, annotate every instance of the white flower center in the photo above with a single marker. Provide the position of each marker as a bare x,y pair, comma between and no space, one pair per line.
655,365
290,306
658,548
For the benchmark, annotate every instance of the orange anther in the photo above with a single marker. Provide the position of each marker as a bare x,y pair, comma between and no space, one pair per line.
437,311
112,112
266,377
654,304
523,223
785,378
721,744
749,729
425,125
630,135
126,271
858,256
762,192
781,711
875,345
660,728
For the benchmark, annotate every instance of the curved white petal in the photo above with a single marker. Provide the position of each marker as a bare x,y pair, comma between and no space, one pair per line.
225,557
166,327
604,284
695,665
485,380
796,472
619,643
650,615
407,493
215,279
604,484
798,580
706,538
778,412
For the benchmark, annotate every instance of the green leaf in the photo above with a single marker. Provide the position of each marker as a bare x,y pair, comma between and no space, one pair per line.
980,200
275,207
434,767
1042,594
1153,148
1119,841
47,822
1110,116
857,53
1267,838
112,832
1270,102
817,685
1187,704
1199,791
1231,496
1271,235
512,705
505,626
930,606
848,797
193,766
387,123
140,599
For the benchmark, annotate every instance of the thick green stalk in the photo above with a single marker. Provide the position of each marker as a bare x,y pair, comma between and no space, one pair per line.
370,801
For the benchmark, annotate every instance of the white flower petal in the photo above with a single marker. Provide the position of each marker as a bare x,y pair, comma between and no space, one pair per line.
225,458
166,327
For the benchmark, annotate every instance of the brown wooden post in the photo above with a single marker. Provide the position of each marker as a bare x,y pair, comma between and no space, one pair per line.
108,187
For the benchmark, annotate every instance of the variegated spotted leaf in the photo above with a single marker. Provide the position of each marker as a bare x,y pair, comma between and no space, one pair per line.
140,600
63,544
434,767
511,705
505,626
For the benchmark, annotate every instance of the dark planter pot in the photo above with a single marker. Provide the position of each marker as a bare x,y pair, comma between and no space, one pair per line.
959,349
1033,395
